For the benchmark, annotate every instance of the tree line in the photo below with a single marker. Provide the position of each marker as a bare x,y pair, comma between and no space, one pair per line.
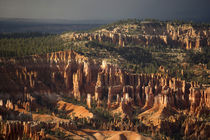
23,44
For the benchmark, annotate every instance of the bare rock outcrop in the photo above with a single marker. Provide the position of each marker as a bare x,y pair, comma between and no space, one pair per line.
148,33
68,73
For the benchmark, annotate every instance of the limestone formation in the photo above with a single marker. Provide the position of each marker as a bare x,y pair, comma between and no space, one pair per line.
70,74
89,100
167,34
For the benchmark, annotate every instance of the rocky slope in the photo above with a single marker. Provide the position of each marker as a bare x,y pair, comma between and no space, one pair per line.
163,102
148,33
36,130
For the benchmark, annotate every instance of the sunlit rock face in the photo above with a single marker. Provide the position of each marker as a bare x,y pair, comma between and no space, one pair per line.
70,73
54,72
18,130
27,80
148,33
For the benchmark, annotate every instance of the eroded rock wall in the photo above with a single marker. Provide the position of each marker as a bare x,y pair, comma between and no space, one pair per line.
185,35
73,74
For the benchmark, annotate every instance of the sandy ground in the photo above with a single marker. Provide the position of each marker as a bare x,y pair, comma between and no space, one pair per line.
84,134
47,118
101,135
155,114
78,111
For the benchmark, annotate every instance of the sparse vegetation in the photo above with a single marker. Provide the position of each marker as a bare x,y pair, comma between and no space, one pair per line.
140,59
133,58
190,65
100,112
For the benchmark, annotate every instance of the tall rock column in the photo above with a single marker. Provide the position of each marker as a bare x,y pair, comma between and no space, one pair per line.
89,100
99,87
149,97
138,88
194,98
76,85
109,97
87,72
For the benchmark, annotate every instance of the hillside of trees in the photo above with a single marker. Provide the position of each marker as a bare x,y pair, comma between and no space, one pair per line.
24,44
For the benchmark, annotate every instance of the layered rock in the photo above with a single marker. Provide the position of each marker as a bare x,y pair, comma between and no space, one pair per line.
149,33
71,73
89,100
20,130
67,73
